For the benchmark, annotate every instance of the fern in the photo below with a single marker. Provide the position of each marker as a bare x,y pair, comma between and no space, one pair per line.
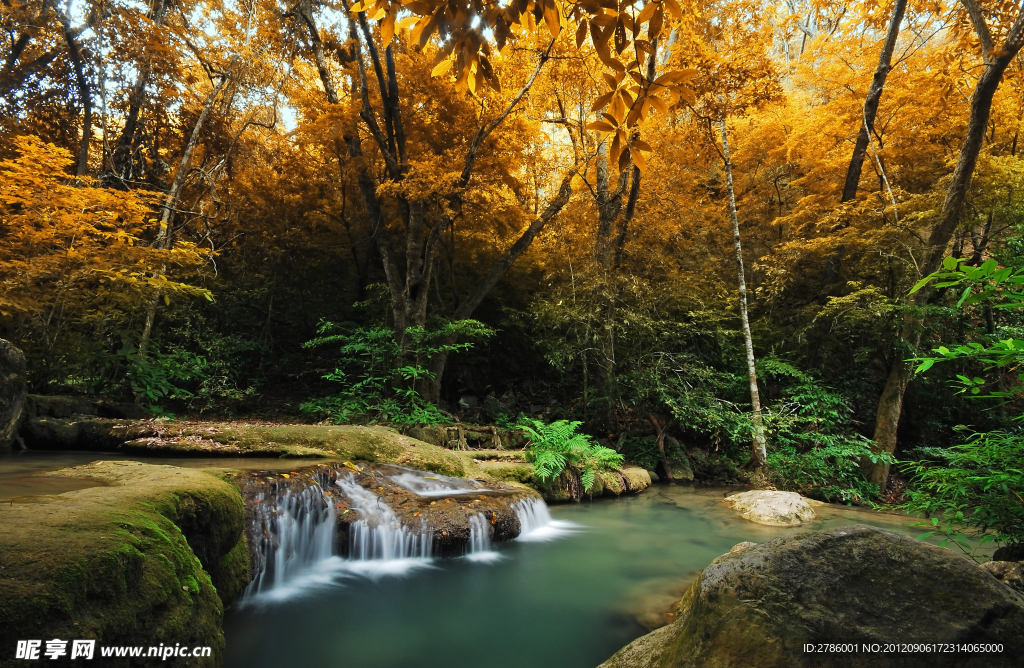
557,445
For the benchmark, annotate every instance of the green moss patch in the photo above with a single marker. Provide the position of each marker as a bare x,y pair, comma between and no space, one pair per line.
129,563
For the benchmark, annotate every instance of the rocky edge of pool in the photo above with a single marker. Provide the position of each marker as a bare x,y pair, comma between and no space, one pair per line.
151,554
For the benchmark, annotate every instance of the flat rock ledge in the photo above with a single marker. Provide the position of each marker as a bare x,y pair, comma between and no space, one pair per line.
762,605
777,509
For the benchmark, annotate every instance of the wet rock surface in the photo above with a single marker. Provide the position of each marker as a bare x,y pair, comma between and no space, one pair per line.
781,509
151,557
759,606
444,516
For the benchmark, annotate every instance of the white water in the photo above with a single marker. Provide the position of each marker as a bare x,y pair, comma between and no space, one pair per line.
536,525
379,543
479,548
295,535
418,482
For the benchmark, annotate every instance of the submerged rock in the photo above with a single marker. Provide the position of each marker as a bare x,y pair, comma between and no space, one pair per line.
761,606
151,557
780,509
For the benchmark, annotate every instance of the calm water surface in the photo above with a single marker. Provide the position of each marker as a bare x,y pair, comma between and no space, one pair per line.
567,603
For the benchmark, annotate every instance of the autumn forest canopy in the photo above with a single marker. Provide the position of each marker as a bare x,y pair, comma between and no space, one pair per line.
785,234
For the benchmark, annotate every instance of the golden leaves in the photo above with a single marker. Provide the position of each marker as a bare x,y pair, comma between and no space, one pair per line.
64,236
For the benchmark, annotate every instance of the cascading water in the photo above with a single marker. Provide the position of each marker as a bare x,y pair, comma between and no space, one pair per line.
379,542
479,547
296,526
535,523
294,535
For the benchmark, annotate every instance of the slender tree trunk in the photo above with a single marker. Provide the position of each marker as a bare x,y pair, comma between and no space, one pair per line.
871,102
121,157
890,404
759,447
164,237
659,435
85,92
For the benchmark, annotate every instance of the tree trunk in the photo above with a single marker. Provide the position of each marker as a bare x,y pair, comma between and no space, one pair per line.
409,290
871,102
122,158
659,435
164,236
432,388
891,402
85,93
759,453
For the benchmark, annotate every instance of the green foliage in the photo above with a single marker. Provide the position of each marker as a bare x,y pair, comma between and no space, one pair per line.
977,487
815,449
147,375
383,378
557,445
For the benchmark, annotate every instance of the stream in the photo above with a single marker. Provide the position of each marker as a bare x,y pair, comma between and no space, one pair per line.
578,585
567,596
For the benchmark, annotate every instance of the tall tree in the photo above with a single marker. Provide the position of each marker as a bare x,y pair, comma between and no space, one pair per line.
995,58
871,100
759,451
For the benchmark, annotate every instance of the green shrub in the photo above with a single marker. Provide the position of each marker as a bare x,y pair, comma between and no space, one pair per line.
381,379
557,445
977,487
814,448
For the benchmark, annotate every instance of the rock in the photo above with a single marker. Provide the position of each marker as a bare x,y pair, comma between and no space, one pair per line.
780,509
433,434
739,547
1010,573
856,584
1009,553
58,406
153,556
13,388
682,469
121,411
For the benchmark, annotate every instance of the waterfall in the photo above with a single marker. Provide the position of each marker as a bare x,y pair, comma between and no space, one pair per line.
292,532
479,547
379,542
293,535
535,523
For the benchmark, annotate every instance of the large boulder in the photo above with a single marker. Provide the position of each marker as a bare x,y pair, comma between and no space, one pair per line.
857,586
778,509
13,388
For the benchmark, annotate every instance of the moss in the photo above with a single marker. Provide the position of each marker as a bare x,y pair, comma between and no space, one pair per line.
123,564
521,472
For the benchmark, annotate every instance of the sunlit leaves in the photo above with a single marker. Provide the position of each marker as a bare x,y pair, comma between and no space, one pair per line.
74,245
623,35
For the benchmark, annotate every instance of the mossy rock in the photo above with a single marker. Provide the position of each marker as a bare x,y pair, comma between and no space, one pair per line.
126,563
760,605
521,472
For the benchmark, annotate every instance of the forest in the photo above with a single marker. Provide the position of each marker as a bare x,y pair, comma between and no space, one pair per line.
512,333
780,239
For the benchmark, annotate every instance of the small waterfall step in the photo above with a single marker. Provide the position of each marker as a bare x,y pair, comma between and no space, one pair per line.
306,527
